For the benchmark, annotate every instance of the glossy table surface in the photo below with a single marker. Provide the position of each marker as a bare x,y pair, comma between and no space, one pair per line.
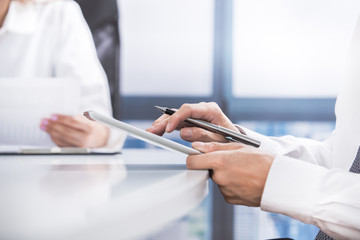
124,196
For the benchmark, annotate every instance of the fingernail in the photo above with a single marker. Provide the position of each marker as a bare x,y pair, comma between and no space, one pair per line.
150,129
167,129
186,133
198,144
43,127
45,122
54,117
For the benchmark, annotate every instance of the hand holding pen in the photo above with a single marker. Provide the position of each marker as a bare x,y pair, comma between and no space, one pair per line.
200,122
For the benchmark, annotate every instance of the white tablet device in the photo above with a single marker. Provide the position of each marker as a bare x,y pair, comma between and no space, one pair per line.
141,134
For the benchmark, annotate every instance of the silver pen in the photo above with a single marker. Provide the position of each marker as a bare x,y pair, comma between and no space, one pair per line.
227,133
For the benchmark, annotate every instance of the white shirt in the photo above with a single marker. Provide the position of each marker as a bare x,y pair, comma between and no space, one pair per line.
52,39
309,180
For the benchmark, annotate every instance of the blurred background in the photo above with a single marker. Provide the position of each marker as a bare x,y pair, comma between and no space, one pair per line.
272,66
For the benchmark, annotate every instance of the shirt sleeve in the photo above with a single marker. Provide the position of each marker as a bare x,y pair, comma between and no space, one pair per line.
76,58
327,198
302,184
308,150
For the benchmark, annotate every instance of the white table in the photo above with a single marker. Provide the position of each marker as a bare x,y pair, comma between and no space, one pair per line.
123,196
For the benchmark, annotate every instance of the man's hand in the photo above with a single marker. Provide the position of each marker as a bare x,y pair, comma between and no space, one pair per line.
209,112
240,171
75,131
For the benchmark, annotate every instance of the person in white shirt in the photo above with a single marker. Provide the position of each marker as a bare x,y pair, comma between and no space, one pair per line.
302,178
51,39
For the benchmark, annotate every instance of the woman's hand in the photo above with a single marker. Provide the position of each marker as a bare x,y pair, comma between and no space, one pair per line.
209,112
240,171
75,131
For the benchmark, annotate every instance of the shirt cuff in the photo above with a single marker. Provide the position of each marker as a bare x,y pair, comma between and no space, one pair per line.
267,144
292,188
116,140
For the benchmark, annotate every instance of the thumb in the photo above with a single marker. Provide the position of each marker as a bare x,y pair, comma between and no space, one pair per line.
214,146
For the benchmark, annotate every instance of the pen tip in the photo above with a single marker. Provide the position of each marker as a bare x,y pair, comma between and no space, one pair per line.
161,109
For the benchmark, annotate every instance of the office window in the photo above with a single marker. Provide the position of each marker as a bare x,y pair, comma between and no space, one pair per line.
291,49
167,47
274,66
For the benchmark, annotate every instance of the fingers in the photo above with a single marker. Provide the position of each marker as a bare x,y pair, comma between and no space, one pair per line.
240,171
161,119
214,157
76,122
60,142
192,134
158,127
209,112
214,146
202,161
63,135
75,131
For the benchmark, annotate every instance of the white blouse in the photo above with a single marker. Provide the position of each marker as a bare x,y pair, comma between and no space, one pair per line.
52,39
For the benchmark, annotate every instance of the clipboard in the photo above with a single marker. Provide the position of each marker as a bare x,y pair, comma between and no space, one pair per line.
141,134
36,150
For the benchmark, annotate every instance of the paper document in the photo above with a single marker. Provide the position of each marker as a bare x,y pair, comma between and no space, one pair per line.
25,101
